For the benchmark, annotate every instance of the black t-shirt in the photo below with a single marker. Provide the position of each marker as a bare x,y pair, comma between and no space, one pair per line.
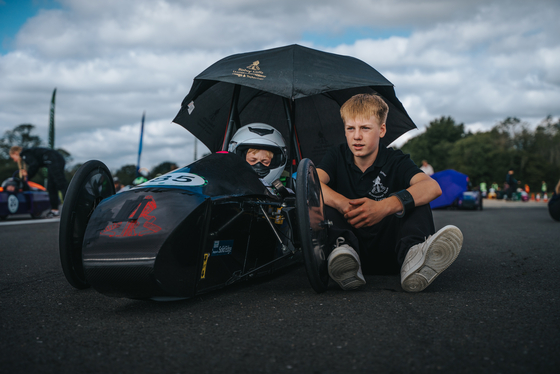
390,173
38,157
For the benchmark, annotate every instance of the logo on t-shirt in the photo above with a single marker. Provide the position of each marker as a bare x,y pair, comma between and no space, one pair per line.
378,190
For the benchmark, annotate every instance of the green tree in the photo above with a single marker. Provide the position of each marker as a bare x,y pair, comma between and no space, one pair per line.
547,140
487,156
533,154
21,135
163,168
479,157
436,143
126,174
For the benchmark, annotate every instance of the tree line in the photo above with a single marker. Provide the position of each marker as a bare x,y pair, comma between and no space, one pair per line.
532,152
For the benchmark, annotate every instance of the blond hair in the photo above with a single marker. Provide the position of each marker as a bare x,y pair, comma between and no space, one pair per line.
364,106
254,151
16,149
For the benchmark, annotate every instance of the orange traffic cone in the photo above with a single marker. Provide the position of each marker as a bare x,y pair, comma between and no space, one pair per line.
538,197
532,197
545,198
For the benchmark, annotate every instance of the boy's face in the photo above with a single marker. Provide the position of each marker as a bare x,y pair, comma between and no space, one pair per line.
15,156
260,156
362,136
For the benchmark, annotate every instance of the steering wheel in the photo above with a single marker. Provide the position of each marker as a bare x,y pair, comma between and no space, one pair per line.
312,225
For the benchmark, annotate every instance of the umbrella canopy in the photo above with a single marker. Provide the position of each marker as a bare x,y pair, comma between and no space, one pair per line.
297,90
452,184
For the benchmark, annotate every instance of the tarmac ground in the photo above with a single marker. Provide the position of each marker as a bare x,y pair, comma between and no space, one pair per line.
495,310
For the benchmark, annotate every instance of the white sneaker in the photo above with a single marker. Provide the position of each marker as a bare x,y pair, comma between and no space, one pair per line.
344,266
425,261
53,214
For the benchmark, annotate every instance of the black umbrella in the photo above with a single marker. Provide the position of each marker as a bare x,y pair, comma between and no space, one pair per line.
297,90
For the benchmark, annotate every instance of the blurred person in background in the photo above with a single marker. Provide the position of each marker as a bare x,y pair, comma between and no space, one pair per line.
427,168
511,183
554,203
30,160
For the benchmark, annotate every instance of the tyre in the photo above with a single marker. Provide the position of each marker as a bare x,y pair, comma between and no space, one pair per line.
312,225
91,184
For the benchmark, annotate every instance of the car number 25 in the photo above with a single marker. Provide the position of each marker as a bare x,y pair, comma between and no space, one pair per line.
177,179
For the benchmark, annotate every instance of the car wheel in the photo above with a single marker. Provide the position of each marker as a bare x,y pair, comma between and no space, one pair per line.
312,225
91,184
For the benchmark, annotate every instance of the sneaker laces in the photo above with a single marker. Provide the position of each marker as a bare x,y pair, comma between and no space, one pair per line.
339,241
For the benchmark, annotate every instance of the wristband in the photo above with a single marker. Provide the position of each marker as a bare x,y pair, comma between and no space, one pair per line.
406,200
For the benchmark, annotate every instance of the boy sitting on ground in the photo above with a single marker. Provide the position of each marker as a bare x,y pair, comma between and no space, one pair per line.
378,201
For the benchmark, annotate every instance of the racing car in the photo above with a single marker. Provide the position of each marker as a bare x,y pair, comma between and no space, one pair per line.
220,220
190,231
19,197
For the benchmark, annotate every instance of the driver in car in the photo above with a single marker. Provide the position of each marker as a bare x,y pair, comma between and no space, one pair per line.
263,147
378,201
254,156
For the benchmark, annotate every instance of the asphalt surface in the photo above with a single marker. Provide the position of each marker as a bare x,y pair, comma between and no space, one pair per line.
495,310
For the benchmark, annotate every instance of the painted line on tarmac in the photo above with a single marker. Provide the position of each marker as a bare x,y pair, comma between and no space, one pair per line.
29,222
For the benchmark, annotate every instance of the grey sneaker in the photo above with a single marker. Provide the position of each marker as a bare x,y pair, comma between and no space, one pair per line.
425,261
344,266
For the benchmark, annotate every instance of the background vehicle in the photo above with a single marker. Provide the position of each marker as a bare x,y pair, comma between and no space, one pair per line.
14,199
455,194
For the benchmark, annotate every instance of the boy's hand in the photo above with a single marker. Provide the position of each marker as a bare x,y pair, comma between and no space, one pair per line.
364,212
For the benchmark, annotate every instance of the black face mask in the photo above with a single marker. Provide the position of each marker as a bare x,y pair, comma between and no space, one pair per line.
261,170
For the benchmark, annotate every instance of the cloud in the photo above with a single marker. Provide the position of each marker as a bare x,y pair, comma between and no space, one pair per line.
496,63
476,61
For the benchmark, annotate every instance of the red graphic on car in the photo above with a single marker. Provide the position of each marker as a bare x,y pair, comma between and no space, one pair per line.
139,222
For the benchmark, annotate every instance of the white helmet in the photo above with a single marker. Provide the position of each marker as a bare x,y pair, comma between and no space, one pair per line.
261,136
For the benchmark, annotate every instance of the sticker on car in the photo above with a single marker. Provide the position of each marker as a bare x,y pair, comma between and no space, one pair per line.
203,273
222,247
177,179
13,203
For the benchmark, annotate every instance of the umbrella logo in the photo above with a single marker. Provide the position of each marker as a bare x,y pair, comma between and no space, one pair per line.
252,71
254,66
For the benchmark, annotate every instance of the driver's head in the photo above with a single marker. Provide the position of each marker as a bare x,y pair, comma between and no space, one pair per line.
255,156
263,147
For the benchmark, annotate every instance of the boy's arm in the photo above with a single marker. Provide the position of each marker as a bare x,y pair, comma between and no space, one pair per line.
423,189
331,197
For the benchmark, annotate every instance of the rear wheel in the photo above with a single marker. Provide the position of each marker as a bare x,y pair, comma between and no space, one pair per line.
312,225
91,184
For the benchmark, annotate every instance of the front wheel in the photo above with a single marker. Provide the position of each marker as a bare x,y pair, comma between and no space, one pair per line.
91,184
312,225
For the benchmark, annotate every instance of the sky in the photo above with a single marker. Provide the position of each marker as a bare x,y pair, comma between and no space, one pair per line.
110,61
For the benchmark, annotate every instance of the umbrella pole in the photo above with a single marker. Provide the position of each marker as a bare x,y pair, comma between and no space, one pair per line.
293,139
232,117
